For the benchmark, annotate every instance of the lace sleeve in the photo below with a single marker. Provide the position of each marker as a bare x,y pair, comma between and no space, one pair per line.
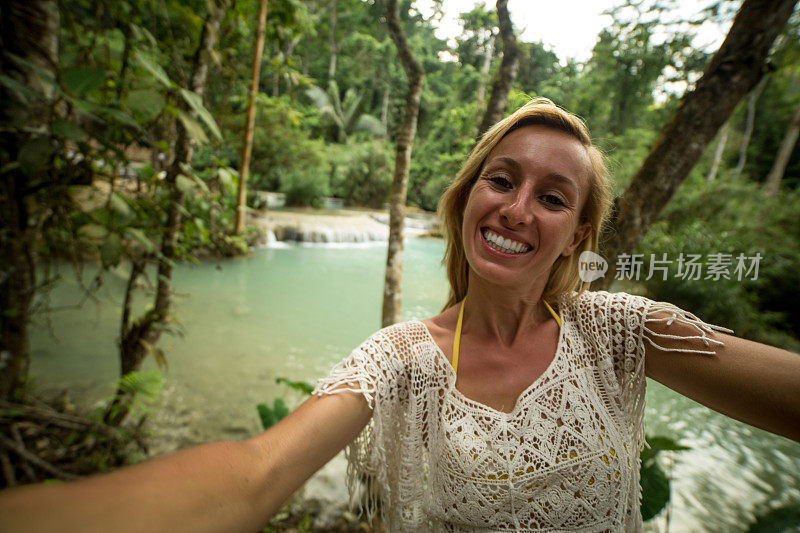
369,369
625,325
633,322
376,370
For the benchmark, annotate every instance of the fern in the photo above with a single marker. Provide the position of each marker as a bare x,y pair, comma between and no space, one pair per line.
272,415
142,389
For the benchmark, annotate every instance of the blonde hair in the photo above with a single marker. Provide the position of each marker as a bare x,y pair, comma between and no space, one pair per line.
564,277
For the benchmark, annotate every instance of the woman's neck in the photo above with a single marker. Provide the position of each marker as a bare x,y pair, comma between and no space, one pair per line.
502,312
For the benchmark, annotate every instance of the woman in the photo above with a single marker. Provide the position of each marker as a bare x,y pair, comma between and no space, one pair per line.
519,407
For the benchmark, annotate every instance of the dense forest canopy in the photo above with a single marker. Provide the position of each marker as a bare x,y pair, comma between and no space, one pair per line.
129,131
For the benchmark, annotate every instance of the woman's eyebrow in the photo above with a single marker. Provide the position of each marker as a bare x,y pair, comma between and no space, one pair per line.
517,167
563,179
507,161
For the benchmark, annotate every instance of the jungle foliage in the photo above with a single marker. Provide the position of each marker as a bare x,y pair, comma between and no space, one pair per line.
122,140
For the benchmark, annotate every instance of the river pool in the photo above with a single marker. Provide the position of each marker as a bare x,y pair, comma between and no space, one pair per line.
295,310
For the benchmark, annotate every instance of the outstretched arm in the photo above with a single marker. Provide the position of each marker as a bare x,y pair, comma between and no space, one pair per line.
751,382
223,486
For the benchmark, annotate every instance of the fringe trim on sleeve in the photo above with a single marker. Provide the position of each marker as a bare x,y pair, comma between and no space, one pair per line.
674,314
371,372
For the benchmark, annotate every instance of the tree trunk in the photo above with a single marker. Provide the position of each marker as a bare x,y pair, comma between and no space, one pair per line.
332,40
385,108
784,153
392,297
733,71
29,30
506,74
144,332
485,68
247,149
722,138
290,46
276,75
750,120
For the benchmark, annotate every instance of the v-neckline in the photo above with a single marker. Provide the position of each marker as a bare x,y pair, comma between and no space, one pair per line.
457,394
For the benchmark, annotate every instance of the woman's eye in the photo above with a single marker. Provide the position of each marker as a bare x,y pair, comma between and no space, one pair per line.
553,200
500,181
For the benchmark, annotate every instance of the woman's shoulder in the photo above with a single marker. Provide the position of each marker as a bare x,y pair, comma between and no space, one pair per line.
624,316
605,301
397,339
442,327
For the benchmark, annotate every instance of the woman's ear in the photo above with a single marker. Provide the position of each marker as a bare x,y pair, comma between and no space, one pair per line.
581,232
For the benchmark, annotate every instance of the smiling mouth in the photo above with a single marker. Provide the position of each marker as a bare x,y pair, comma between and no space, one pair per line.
502,244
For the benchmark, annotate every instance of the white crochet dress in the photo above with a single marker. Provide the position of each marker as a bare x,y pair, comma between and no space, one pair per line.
565,459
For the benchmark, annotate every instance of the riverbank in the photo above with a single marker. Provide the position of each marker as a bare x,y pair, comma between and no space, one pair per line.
294,311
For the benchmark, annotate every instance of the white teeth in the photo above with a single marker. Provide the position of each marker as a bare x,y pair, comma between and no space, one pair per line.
503,244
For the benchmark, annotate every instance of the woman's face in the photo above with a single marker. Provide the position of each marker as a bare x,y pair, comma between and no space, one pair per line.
524,210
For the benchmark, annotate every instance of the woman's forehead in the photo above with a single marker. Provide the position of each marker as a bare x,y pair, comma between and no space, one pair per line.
542,149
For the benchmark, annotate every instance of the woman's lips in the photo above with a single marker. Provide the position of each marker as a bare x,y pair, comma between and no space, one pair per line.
504,244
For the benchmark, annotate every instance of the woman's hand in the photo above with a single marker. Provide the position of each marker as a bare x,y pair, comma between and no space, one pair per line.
751,382
223,486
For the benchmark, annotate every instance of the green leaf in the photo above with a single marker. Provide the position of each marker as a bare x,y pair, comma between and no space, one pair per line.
121,207
147,103
67,129
92,232
21,88
196,103
152,67
200,184
370,124
301,386
141,34
139,236
225,177
83,196
161,359
280,408
147,171
184,184
82,80
8,167
271,416
659,444
45,75
782,519
665,444
83,106
144,387
655,491
193,128
119,116
111,250
34,155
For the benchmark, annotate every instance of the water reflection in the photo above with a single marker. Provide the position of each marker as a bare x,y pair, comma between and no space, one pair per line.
732,471
295,311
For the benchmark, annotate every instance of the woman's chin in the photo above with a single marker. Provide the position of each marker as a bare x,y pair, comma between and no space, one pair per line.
504,277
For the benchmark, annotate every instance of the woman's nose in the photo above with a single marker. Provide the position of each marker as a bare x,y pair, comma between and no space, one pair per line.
518,211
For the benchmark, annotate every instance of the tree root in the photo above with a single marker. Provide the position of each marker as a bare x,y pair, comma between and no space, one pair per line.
39,442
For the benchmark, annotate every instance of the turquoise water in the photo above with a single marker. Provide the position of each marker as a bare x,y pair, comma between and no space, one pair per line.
296,310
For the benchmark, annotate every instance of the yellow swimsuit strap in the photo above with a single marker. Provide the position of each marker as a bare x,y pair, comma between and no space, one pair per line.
457,336
555,315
